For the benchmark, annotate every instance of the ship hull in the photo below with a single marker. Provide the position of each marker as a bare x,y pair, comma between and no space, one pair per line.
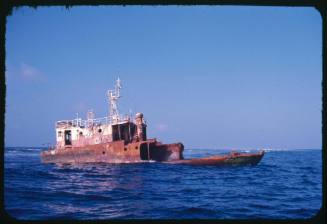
115,152
150,150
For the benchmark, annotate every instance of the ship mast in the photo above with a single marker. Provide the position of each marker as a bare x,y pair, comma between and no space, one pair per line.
113,96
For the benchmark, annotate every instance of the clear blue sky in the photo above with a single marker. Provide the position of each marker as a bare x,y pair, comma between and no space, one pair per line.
208,76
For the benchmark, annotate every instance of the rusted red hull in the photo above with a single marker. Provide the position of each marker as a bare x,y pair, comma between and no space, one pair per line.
234,159
115,152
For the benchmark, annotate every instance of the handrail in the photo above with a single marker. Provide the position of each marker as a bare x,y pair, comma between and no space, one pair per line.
78,122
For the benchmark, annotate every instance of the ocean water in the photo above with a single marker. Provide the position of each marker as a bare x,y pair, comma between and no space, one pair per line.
286,184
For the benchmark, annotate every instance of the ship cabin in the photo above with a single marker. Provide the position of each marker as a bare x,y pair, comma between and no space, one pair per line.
78,132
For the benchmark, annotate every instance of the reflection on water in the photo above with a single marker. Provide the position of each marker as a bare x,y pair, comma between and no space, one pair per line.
84,178
93,184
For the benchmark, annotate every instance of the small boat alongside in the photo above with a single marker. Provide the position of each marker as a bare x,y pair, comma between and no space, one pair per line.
233,158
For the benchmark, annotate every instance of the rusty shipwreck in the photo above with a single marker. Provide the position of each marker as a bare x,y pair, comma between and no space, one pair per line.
123,139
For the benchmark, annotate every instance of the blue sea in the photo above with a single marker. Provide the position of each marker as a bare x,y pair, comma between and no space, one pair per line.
286,184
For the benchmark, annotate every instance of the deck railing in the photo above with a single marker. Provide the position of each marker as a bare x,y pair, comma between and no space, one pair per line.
78,122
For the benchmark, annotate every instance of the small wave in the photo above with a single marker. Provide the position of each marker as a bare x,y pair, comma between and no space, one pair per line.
198,211
260,205
286,150
300,212
97,197
19,212
20,149
33,149
190,190
82,196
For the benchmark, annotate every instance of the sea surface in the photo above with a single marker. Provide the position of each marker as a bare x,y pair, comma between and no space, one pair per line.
286,184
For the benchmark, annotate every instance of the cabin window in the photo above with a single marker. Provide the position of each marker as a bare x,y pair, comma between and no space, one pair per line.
68,137
59,133
100,130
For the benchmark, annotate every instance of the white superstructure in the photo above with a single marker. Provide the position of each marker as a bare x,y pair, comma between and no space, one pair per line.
79,132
